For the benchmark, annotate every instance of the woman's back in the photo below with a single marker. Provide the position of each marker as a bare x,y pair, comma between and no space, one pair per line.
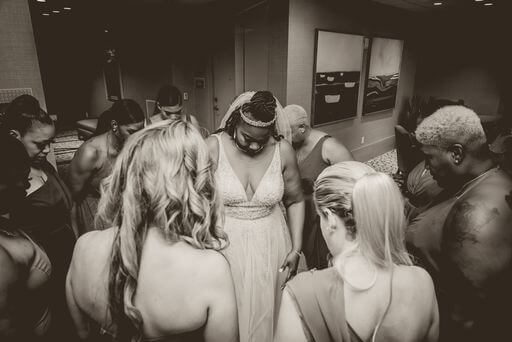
180,288
408,308
331,310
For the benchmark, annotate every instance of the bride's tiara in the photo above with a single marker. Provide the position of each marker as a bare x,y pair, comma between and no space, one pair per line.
256,123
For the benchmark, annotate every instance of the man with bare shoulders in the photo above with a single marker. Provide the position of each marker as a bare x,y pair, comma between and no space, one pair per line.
315,151
93,161
467,241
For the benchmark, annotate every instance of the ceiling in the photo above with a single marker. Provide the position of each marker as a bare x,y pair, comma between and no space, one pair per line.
428,5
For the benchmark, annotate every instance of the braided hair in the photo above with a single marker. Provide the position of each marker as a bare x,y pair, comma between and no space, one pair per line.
261,107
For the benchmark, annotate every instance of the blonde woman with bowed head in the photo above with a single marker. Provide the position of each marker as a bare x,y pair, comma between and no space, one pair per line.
372,292
156,275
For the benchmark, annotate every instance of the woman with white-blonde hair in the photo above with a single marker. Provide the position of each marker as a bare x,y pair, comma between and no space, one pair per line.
157,273
372,291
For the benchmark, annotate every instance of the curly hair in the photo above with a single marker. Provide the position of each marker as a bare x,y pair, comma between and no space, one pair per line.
449,125
162,178
261,107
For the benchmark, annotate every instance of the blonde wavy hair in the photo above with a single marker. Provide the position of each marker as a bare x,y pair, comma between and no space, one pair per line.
162,178
372,206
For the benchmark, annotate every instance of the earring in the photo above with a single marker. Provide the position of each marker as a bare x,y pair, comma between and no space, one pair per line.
302,131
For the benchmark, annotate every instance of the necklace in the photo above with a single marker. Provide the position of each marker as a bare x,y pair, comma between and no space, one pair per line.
39,175
474,182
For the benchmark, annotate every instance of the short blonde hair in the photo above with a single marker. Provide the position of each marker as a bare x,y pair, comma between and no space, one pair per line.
296,114
374,201
450,125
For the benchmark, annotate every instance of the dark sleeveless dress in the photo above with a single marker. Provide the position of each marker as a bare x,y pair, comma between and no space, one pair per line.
320,302
314,247
45,216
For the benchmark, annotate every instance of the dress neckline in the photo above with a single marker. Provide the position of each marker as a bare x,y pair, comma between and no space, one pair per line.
224,155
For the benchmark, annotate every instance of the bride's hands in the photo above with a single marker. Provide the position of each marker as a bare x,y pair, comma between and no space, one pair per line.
291,262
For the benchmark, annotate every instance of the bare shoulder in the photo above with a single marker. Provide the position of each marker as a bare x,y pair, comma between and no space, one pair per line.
88,152
333,151
92,245
413,274
217,266
213,147
9,271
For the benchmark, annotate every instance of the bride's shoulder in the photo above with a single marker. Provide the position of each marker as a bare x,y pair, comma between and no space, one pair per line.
286,150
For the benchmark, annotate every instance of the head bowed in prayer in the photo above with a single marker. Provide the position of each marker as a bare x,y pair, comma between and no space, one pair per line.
299,123
169,100
31,125
361,210
162,178
123,113
452,139
258,112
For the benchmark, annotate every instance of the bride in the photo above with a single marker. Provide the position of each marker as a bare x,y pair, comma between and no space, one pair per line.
256,169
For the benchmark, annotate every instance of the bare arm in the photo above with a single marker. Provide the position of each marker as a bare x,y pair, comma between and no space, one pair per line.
222,324
433,331
213,147
334,152
8,279
476,241
82,167
294,203
289,327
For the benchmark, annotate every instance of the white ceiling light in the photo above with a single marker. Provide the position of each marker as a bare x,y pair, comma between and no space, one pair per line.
46,14
479,0
438,3
67,8
488,4
41,0
56,11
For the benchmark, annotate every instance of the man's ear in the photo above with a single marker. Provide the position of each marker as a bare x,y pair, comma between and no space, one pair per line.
15,133
457,153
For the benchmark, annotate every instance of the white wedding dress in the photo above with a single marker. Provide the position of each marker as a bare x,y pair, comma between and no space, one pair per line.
259,242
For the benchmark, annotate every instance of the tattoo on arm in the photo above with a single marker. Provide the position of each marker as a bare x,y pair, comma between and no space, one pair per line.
468,221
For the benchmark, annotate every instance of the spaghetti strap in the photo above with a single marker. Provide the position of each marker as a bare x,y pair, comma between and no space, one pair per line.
387,307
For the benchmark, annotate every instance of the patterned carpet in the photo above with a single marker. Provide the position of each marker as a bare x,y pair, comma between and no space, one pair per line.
65,145
67,142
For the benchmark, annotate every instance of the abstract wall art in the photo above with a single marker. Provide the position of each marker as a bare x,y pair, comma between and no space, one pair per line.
338,64
383,74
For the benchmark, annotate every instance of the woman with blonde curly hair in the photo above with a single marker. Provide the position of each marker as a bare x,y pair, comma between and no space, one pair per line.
157,273
372,292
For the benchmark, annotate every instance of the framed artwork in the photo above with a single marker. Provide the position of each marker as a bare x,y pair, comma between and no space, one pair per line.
383,74
337,71
112,75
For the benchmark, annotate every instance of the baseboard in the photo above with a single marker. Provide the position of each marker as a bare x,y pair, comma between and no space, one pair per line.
374,149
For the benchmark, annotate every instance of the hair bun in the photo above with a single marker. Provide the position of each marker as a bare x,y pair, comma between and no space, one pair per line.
264,103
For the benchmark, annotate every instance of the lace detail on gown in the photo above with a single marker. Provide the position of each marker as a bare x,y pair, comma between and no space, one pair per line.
268,194
258,243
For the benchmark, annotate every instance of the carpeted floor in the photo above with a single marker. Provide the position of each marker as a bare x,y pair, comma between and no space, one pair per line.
67,142
65,145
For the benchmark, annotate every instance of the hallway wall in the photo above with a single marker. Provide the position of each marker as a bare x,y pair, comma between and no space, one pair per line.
19,66
357,18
